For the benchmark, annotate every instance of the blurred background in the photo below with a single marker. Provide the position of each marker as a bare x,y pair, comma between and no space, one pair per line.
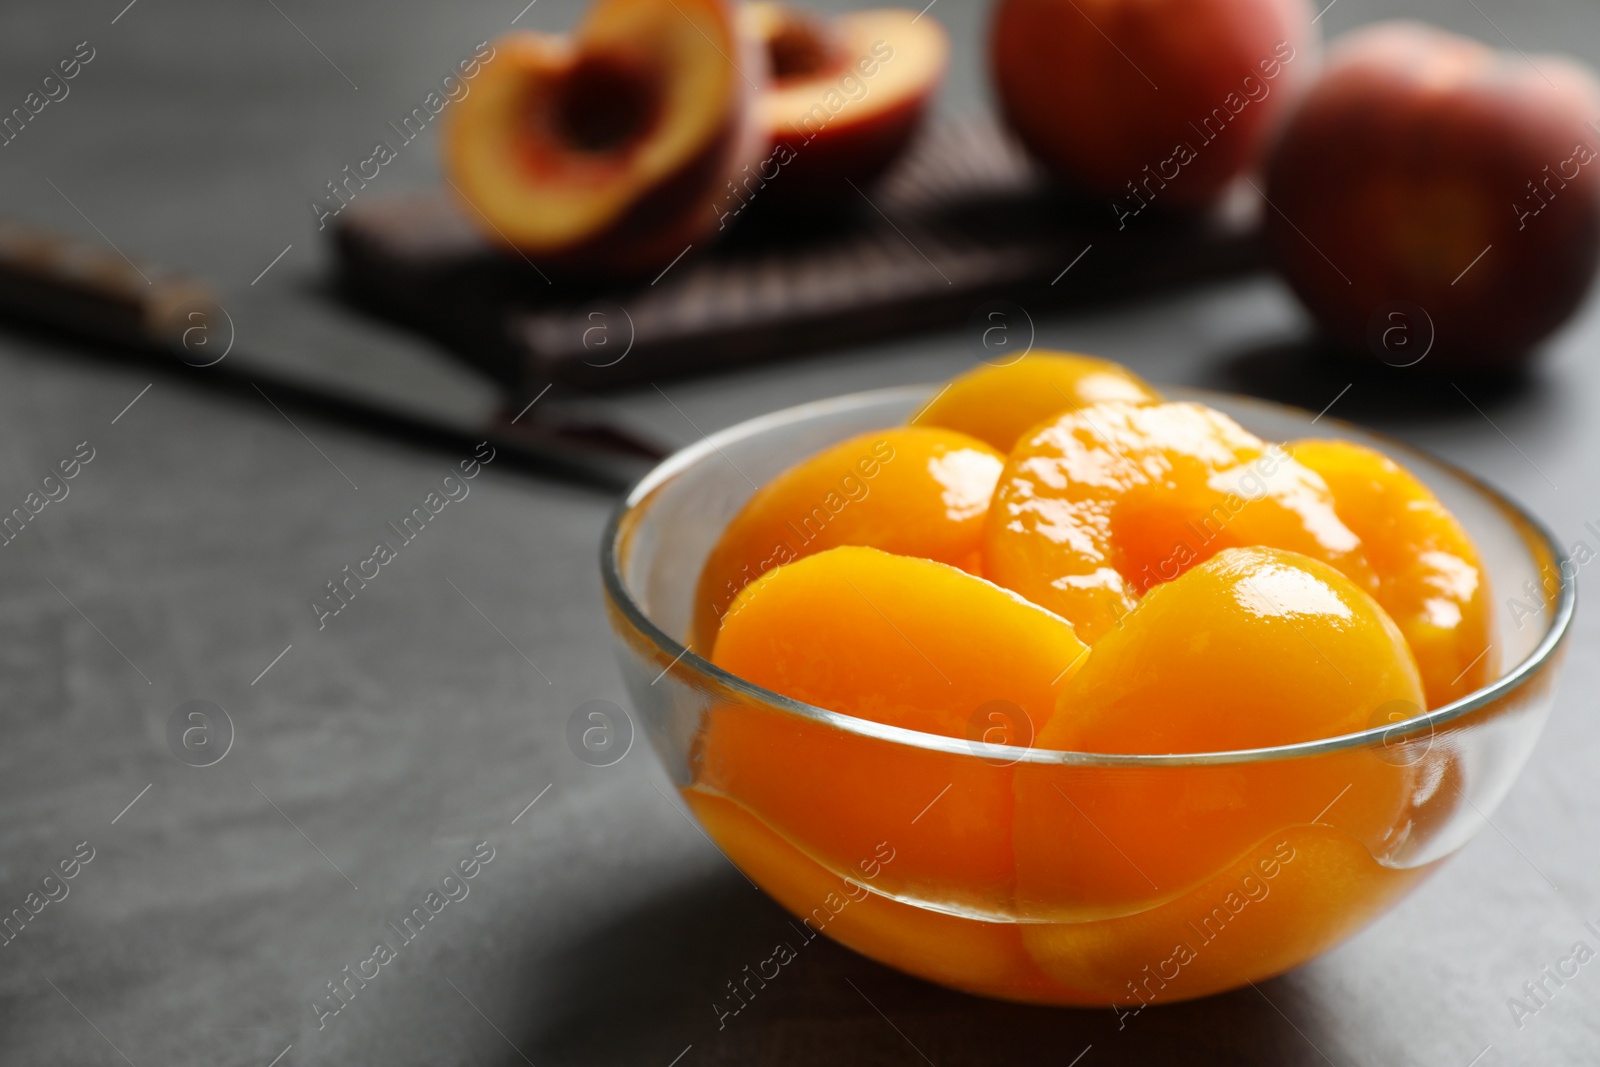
376,751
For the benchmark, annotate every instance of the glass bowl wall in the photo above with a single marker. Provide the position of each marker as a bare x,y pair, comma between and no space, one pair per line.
1060,877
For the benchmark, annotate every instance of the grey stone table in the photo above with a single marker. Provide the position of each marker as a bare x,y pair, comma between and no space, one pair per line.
410,734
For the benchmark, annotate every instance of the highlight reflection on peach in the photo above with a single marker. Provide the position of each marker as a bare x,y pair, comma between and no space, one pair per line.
1105,501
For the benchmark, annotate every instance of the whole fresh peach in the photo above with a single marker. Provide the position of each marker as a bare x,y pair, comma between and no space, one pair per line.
1148,102
1433,197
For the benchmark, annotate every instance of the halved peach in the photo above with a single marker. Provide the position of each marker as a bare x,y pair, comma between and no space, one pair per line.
903,641
1255,647
908,643
1252,649
1430,577
915,491
847,94
603,152
998,403
1109,500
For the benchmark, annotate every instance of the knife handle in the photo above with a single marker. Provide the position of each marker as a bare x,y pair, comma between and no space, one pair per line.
89,290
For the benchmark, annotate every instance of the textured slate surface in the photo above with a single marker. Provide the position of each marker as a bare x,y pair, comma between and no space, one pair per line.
409,729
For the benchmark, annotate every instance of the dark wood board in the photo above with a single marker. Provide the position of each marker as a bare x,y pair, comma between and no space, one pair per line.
965,219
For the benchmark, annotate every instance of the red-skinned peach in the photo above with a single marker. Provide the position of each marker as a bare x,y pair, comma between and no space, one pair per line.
1148,101
1429,189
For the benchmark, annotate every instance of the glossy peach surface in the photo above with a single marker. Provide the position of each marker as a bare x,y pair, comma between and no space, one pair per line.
999,403
1430,577
1254,648
1110,500
901,641
898,640
914,491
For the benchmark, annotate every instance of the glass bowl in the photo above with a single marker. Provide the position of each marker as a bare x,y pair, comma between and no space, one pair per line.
1063,877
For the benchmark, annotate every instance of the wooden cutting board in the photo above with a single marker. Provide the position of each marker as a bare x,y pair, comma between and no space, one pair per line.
964,222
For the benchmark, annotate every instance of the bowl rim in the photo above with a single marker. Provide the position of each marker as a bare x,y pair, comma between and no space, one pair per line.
1391,734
